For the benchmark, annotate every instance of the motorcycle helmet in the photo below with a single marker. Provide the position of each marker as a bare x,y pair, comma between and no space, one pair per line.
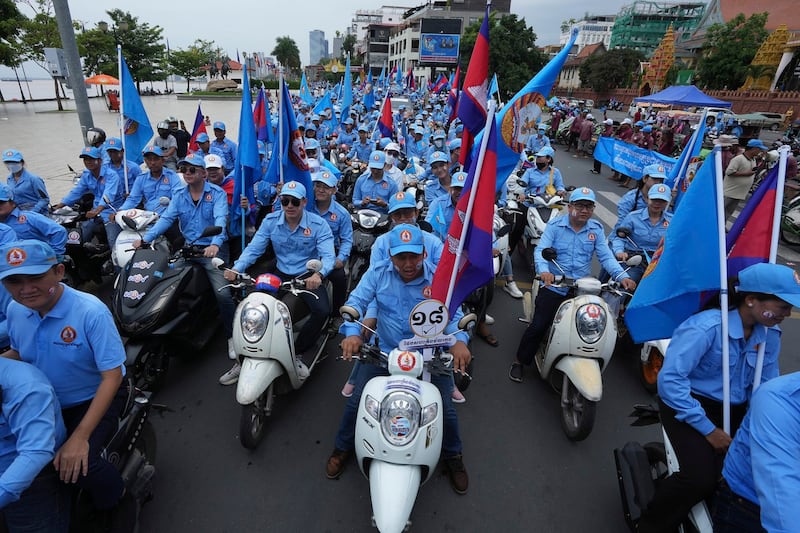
95,136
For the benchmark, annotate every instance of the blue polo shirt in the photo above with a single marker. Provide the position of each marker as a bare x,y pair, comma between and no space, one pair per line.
29,191
210,210
31,225
338,218
148,189
643,232
71,345
31,428
133,171
107,183
367,187
226,150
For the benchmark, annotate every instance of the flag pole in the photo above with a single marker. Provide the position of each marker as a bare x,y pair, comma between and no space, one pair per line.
723,295
280,124
773,246
122,119
242,190
472,193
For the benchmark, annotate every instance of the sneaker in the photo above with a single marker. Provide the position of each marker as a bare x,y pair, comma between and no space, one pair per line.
231,350
512,290
231,376
459,479
336,463
515,372
457,396
348,389
593,171
302,369
488,319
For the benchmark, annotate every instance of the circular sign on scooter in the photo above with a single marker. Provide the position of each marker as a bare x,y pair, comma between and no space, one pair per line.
429,318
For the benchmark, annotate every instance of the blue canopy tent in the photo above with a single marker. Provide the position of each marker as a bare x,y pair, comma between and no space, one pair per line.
682,95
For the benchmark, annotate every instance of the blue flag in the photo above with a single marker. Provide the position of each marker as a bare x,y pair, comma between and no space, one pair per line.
399,76
685,269
347,97
305,92
687,164
289,153
247,161
324,103
369,93
523,109
493,87
382,77
136,125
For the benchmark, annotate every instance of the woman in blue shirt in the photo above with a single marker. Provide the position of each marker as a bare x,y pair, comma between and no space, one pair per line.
690,385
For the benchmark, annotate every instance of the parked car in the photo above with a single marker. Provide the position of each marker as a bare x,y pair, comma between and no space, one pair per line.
771,121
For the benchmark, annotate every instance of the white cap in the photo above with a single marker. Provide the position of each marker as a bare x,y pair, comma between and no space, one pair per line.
627,121
213,161
608,122
589,117
393,147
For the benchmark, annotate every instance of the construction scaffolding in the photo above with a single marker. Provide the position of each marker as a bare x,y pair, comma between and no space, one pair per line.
642,25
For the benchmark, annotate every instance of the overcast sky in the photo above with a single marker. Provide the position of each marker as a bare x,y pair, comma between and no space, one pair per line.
253,25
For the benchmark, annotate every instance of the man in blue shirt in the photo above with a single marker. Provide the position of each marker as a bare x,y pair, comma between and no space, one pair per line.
760,478
296,236
117,156
576,237
29,224
373,190
31,431
338,218
538,141
71,337
30,190
346,134
363,147
442,209
396,287
223,147
203,145
439,182
195,207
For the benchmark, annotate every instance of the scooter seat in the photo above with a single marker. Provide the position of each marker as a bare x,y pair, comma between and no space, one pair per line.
298,309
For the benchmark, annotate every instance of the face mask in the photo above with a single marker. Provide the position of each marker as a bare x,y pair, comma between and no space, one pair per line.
14,167
541,166
438,143
389,159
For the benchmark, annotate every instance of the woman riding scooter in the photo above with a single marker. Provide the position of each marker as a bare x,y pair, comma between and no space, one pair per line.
690,385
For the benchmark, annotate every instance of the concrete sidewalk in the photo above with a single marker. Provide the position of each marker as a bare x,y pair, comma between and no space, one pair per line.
50,140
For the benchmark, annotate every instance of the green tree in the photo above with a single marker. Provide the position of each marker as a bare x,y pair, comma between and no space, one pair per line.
513,55
728,50
349,46
188,63
38,33
287,53
608,70
10,22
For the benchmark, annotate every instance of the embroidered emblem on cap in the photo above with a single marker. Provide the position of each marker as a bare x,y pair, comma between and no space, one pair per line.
405,236
9,153
15,257
585,190
661,188
400,195
68,334
291,185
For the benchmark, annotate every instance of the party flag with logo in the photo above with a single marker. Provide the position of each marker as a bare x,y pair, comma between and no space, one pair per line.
136,126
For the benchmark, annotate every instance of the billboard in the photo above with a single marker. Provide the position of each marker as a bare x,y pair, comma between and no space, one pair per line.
438,48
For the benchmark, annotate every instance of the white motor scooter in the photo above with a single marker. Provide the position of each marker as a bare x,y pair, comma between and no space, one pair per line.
134,222
500,229
400,419
578,349
265,328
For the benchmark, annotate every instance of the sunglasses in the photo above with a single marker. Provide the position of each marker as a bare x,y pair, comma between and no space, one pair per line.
189,170
286,200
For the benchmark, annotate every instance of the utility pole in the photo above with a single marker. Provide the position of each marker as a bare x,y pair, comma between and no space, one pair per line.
65,30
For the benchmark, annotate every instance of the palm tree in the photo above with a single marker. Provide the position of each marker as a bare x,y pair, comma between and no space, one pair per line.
287,53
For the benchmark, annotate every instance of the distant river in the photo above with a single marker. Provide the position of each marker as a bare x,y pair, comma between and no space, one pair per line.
44,89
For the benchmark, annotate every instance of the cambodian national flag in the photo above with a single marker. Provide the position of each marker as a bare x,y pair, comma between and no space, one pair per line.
198,128
261,118
452,97
748,241
685,269
136,126
289,155
412,84
386,123
472,104
440,84
473,223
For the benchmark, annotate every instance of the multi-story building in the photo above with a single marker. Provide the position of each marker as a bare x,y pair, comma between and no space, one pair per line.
317,46
593,29
642,24
336,51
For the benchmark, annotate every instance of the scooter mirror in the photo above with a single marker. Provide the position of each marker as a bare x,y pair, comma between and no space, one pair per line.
218,263
468,321
424,225
522,183
314,265
634,260
163,201
129,222
570,188
623,233
106,200
349,314
549,254
504,230
210,231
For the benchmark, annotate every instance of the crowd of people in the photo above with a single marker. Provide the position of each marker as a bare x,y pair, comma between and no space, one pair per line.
60,402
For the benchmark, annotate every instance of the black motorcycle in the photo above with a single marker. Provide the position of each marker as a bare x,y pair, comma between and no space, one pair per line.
165,306
85,260
368,225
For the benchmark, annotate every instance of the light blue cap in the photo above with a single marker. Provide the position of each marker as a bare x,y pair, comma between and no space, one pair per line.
202,138
406,238
294,188
655,171
6,193
153,149
311,144
27,256
401,200
769,278
458,179
659,191
756,143
325,177
90,151
546,151
219,125
582,193
114,143
377,159
193,159
455,143
12,156
438,157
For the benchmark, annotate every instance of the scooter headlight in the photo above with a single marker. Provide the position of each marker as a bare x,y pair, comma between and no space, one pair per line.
400,414
429,413
283,311
253,320
591,322
372,406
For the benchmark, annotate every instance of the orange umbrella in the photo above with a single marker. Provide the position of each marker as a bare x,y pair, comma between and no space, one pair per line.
102,79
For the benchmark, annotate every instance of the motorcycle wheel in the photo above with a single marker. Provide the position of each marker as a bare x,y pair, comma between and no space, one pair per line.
577,413
253,421
150,368
790,237
648,370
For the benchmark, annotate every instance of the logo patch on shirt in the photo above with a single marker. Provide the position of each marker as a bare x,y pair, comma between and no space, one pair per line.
666,223
385,185
68,334
15,257
333,217
22,219
165,180
138,278
400,195
208,197
592,236
307,232
142,265
427,292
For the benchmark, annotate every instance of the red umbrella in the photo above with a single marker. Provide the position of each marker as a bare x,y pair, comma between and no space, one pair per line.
102,79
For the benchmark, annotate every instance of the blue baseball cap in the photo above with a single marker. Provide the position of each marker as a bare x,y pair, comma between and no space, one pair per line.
756,143
639,123
28,256
12,156
114,143
311,127
455,144
438,157
438,135
377,159
401,200
311,144
91,152
582,193
202,138
659,191
363,128
546,151
193,159
647,129
458,179
769,278
153,149
348,121
542,127
219,125
294,188
325,177
6,193
655,171
406,238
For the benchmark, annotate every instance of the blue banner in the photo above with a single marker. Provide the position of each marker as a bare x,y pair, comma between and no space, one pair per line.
629,159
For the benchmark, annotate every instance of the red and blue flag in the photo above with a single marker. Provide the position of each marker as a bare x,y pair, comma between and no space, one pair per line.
452,97
262,119
198,128
472,104
386,122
